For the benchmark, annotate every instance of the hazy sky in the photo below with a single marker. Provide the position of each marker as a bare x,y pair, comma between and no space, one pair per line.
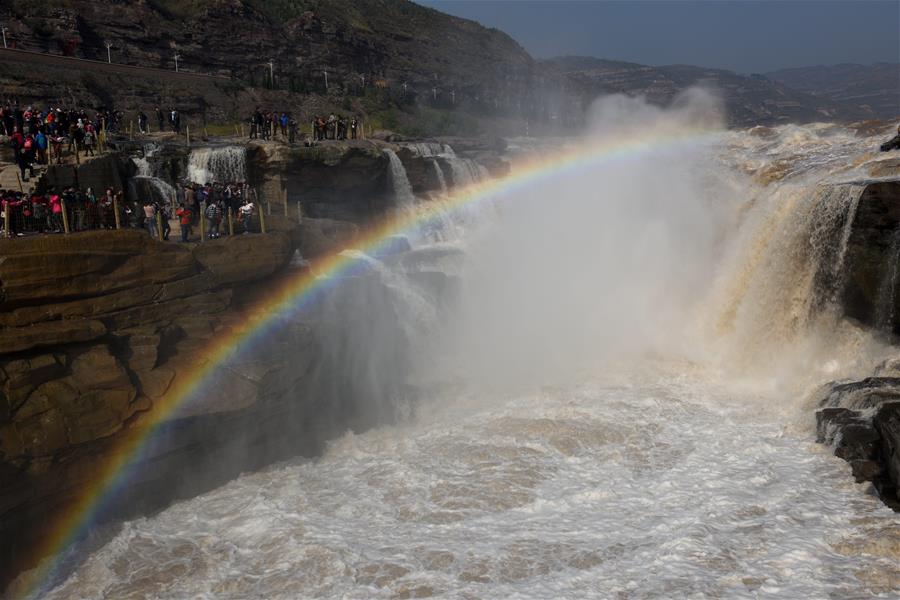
745,36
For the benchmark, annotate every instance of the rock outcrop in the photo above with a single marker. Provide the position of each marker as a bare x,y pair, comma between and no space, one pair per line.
95,328
870,286
343,180
861,421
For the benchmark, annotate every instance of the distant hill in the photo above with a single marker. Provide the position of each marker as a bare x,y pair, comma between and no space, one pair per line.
384,52
854,91
750,100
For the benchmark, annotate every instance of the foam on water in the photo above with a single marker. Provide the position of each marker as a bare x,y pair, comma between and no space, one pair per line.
660,485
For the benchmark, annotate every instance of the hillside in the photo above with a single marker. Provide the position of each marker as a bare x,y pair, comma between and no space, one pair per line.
749,100
385,53
857,91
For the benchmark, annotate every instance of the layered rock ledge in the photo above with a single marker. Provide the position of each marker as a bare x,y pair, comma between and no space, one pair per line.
95,328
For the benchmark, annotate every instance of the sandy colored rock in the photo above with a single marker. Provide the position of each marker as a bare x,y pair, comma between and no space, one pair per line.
98,369
49,334
162,313
244,258
44,269
98,414
45,397
22,376
155,382
43,434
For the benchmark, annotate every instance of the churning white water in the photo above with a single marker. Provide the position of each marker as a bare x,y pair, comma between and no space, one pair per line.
614,407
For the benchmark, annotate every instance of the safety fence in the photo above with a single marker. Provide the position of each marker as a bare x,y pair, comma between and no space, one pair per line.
74,213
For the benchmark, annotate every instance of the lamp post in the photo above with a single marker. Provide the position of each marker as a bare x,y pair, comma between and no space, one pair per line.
108,53
4,29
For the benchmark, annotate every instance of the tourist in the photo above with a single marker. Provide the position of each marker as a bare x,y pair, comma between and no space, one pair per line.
185,219
159,119
292,130
213,219
26,157
246,215
354,124
150,217
42,143
142,122
89,139
165,214
56,220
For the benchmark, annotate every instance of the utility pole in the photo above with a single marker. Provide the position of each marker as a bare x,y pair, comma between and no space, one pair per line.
4,29
272,73
108,53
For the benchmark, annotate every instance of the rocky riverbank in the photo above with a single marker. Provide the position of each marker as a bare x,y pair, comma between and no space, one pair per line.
861,419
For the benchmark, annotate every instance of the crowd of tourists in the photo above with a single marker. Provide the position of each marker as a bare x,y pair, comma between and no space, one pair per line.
266,125
38,136
75,210
334,127
54,211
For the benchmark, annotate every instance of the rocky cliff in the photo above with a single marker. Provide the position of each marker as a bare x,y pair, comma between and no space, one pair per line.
870,286
95,328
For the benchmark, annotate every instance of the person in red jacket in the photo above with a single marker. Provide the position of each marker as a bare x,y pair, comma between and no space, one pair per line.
185,218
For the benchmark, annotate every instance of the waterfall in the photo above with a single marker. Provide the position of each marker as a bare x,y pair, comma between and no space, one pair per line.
403,194
218,165
790,266
427,149
887,289
440,176
465,171
154,188
145,184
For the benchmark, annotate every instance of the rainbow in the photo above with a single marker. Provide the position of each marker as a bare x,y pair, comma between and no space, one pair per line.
294,294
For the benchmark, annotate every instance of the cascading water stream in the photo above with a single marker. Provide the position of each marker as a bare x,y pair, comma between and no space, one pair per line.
146,184
403,194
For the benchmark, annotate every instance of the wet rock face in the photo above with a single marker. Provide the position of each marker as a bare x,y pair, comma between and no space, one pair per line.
95,328
870,292
346,181
861,421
